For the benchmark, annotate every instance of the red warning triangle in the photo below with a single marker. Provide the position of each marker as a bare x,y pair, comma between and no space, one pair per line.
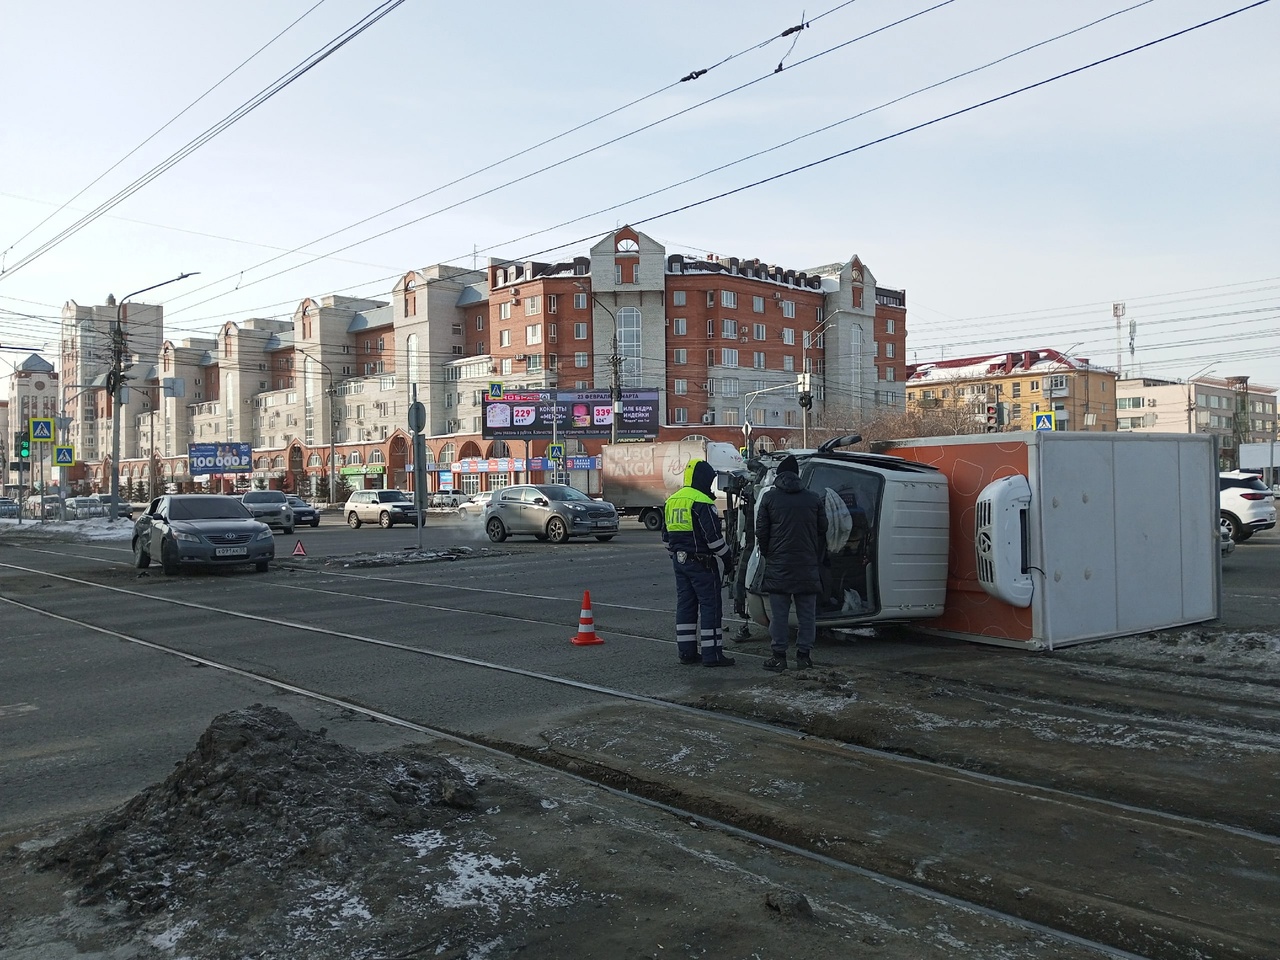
298,551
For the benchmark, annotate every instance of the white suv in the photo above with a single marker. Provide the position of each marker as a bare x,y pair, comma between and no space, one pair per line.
386,508
1247,504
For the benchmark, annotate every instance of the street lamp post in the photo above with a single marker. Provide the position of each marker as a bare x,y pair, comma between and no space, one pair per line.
615,362
115,384
331,393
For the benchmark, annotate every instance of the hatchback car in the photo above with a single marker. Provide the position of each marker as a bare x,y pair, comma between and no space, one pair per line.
1246,504
200,528
548,511
123,507
271,507
475,506
304,514
386,508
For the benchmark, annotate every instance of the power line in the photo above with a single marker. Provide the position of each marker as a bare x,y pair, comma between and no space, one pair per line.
79,193
312,61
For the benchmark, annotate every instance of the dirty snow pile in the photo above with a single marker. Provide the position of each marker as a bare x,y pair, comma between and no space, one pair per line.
94,528
396,558
270,841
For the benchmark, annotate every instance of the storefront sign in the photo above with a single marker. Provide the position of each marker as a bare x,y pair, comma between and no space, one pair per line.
361,469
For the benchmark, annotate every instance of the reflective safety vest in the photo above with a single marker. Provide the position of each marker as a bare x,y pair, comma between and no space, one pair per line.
679,509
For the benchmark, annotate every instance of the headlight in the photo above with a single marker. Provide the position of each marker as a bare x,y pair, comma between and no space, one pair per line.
264,535
179,535
577,507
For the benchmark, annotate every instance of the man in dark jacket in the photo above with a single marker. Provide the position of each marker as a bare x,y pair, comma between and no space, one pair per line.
791,532
695,541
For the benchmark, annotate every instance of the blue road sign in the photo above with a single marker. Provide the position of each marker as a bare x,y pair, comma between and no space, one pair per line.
556,451
1045,420
64,456
42,429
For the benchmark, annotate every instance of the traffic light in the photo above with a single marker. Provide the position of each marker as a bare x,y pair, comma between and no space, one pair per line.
993,417
24,445
806,400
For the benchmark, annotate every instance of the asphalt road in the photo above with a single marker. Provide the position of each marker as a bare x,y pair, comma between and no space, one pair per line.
87,720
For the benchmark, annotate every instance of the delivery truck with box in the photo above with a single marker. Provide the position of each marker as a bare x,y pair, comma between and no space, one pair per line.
637,478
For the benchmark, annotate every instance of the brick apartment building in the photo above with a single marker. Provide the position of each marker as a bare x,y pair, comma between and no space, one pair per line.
721,340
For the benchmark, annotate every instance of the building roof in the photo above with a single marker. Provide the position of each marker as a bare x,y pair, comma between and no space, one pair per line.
372,319
473,293
1043,360
34,364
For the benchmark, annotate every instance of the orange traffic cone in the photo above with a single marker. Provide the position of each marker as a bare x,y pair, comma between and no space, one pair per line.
586,625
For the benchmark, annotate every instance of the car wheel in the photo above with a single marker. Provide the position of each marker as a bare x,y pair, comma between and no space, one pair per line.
315,522
141,559
496,531
653,520
1235,528
168,558
262,566
605,539
557,532
384,520
288,529
353,521
462,514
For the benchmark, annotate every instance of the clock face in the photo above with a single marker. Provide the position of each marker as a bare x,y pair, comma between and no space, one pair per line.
39,384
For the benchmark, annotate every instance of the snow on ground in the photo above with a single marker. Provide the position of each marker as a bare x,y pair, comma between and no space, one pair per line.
95,528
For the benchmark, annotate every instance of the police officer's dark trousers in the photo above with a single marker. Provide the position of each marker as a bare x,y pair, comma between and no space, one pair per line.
699,607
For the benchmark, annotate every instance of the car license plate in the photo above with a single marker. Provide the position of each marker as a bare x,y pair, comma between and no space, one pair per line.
230,551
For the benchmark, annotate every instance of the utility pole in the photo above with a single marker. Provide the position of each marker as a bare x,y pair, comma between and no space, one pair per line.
615,363
115,387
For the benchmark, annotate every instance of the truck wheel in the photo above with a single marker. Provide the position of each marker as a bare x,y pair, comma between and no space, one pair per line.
653,520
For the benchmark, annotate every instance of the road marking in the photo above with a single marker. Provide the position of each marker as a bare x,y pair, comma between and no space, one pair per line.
16,709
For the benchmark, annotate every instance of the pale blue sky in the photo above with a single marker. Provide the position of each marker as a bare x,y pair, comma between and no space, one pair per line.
1149,180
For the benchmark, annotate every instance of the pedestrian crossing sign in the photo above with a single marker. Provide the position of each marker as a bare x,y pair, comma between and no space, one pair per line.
495,390
1046,420
41,429
64,456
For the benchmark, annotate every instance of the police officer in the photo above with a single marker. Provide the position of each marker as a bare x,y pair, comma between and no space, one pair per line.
696,541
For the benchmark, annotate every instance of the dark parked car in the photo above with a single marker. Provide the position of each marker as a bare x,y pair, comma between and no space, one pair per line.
304,514
271,507
548,511
8,507
199,528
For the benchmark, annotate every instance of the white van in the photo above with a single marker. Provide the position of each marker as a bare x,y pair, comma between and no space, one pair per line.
888,528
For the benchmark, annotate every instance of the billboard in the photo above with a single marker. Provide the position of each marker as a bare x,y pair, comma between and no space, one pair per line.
207,458
576,413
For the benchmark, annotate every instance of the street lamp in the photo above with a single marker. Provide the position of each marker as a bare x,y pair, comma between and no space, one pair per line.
615,361
1191,407
333,425
115,381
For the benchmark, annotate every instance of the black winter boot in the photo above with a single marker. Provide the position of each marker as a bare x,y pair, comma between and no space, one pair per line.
777,663
720,660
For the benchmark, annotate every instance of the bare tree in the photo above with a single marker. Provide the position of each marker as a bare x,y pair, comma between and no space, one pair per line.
881,424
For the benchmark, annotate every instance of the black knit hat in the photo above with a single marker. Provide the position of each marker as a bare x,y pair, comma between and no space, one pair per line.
789,465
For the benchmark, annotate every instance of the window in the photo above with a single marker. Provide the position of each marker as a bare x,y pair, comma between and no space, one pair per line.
533,362
1058,383
532,306
533,333
479,321
1016,390
617,273
757,362
789,336
729,387
888,351
789,363
728,358
579,301
677,298
1033,386
551,332
757,304
680,387
381,345
728,299
788,308
504,311
729,329
1015,411
581,360
680,415
504,338
635,273
758,332
680,356
888,324
678,327
1128,403
552,302
579,331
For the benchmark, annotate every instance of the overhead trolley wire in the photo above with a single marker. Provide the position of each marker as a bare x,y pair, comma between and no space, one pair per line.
527,176
827,159
312,61
79,193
